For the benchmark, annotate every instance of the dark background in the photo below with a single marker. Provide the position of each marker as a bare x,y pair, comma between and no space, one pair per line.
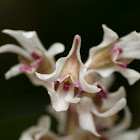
21,103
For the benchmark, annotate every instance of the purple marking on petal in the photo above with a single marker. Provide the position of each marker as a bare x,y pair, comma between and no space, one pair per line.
103,93
115,52
61,78
33,67
35,55
75,82
66,86
121,64
27,69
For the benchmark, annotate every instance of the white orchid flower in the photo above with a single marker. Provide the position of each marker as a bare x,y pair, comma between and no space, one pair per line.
111,104
42,131
32,57
69,79
113,54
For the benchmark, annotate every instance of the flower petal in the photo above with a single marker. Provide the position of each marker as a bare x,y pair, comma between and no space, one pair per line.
123,125
116,108
109,37
56,48
15,49
85,86
29,40
113,98
131,75
131,50
14,71
36,132
86,120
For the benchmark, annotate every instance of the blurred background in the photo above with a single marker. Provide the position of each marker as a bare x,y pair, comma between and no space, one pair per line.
21,103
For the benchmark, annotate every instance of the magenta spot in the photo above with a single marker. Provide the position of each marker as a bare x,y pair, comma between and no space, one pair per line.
103,93
121,64
26,69
120,50
75,82
35,55
66,86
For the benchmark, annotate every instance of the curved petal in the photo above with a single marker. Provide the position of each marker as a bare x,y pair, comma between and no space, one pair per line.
109,37
56,48
113,98
15,49
36,132
123,125
29,40
133,36
131,50
116,108
85,86
53,76
86,120
128,135
131,75
14,71
58,99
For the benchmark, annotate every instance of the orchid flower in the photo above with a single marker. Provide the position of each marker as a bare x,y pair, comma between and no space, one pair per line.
110,105
42,131
68,78
113,54
32,57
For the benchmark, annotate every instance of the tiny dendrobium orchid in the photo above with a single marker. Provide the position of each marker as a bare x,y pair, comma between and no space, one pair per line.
69,79
32,57
113,54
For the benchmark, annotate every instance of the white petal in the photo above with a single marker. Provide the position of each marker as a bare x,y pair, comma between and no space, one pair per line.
58,99
44,122
115,109
86,122
128,135
29,40
133,36
37,131
131,75
56,48
123,125
53,76
85,86
109,37
14,71
131,50
15,49
113,98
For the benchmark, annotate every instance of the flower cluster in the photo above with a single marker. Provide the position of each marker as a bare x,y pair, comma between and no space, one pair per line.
79,92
